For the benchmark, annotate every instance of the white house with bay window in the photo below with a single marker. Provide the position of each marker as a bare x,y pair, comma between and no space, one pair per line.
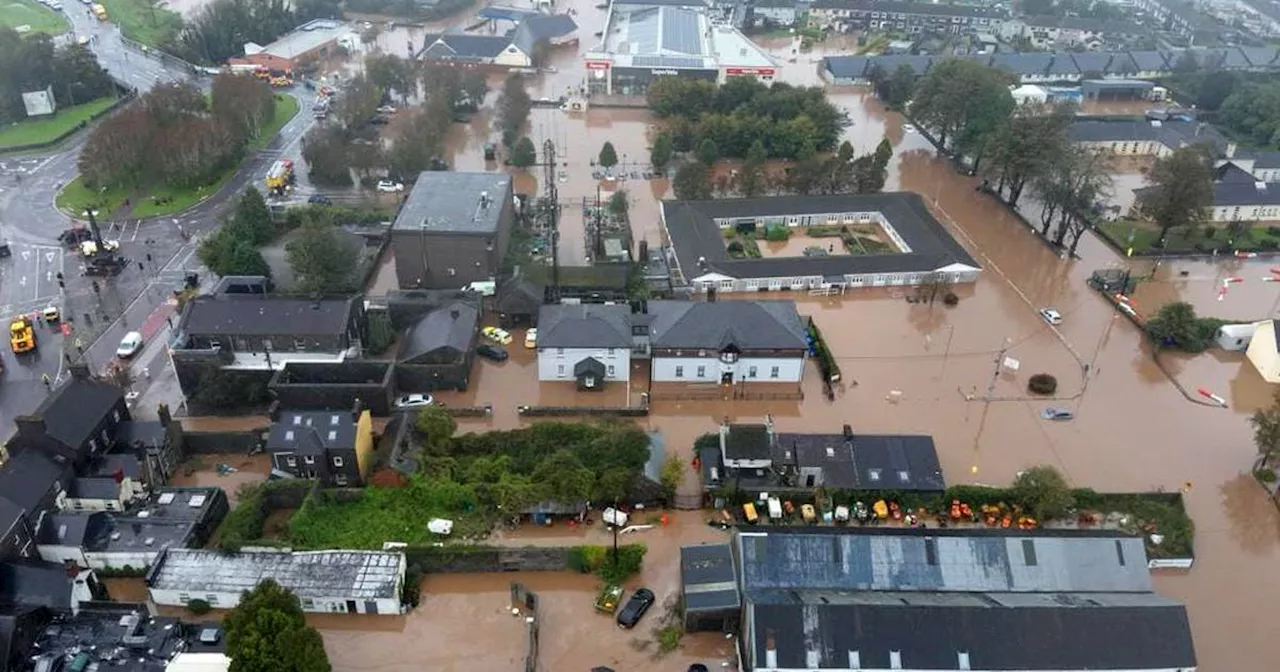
587,343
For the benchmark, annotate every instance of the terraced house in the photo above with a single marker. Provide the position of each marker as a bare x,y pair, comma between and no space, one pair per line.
911,17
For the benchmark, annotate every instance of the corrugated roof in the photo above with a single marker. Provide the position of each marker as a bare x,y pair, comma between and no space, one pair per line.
940,560
316,574
708,580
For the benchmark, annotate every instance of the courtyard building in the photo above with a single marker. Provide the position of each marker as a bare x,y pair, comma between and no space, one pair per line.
836,243
452,230
644,40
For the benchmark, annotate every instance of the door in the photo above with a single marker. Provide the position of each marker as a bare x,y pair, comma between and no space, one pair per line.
351,606
726,378
808,481
370,607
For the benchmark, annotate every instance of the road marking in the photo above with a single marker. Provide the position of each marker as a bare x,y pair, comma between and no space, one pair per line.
23,281
48,256
26,255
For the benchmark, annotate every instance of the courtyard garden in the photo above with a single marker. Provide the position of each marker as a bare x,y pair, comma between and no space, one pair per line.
779,240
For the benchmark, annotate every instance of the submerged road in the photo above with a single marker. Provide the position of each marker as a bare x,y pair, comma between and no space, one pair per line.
29,220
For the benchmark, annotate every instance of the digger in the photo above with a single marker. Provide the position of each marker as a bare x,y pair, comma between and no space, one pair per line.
22,336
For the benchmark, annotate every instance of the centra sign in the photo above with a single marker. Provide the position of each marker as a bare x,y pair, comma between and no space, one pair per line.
664,72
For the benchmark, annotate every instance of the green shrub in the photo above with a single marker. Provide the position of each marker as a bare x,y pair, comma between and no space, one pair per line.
1265,475
199,607
950,299
669,638
599,560
244,523
777,234
1042,383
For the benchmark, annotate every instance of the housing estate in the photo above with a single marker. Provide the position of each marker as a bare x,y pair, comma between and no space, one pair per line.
1062,66
335,447
910,17
647,39
715,342
347,582
757,458
1045,32
452,230
824,598
914,248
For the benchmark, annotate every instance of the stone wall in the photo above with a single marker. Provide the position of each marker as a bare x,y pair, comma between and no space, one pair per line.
460,559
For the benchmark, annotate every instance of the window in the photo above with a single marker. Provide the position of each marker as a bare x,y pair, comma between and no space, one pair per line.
610,352
241,344
299,344
560,351
679,372
560,370
873,474
211,598
288,435
93,444
115,415
452,272
702,372
610,370
103,434
184,598
337,461
214,344
291,461
309,459
751,372
266,344
728,357
773,372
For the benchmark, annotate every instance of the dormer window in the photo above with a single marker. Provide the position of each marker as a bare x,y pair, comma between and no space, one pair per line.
729,357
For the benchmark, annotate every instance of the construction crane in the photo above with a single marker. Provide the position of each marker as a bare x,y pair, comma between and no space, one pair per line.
103,259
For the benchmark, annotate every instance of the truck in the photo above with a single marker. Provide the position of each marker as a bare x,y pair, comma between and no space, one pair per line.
22,337
280,176
99,12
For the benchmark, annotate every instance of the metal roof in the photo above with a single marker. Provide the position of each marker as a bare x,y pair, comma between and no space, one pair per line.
940,560
708,580
450,202
307,37
314,574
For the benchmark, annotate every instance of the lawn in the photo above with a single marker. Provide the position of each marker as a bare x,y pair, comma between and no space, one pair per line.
166,200
36,17
386,514
48,129
1142,237
143,21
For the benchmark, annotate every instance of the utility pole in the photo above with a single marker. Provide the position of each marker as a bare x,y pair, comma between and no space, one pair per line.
995,373
951,333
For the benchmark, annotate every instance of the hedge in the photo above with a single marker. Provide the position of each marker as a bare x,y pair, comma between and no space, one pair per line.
826,362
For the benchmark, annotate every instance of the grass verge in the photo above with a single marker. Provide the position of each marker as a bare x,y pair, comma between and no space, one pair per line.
36,17
48,129
166,200
144,21
1142,238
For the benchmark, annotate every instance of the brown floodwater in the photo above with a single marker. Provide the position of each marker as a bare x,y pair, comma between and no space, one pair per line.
202,470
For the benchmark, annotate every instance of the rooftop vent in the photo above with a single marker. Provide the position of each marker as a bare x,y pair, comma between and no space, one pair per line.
149,541
1260,186
831,452
166,498
197,501
962,660
895,660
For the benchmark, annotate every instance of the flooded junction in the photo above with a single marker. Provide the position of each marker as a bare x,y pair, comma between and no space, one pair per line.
1133,431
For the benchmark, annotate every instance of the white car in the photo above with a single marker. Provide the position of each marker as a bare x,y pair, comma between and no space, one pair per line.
389,187
129,345
386,109
1051,316
415,401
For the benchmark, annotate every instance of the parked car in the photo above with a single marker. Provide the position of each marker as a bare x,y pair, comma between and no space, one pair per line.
1051,316
319,199
386,109
414,401
639,603
698,667
387,186
1054,413
492,352
129,345
51,314
531,338
497,335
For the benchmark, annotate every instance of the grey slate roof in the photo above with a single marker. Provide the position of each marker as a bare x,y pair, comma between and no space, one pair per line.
1173,134
707,578
1266,159
869,461
1260,56
940,560
519,296
10,513
94,488
1233,193
73,410
587,325
316,574
541,27
207,316
847,67
994,638
1091,61
450,202
27,477
748,442
1150,60
449,327
81,530
43,584
312,431
464,47
748,325
1024,64
694,234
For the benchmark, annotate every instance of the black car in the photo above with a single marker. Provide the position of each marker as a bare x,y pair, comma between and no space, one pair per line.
492,352
635,607
698,667
319,199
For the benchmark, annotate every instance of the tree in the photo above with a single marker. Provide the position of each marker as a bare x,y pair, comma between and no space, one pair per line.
563,477
358,103
897,89
963,102
662,150
1176,325
327,151
612,485
420,143
608,156
267,632
618,204
435,427
514,106
392,73
708,153
1043,492
225,254
1181,190
220,29
251,220
679,96
322,260
244,103
751,180
524,154
671,475
1253,111
1026,146
1266,431
692,181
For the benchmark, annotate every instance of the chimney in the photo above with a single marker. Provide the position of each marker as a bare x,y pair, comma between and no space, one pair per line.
1231,150
79,371
273,411
31,426
848,432
356,409
1260,186
644,306
162,410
